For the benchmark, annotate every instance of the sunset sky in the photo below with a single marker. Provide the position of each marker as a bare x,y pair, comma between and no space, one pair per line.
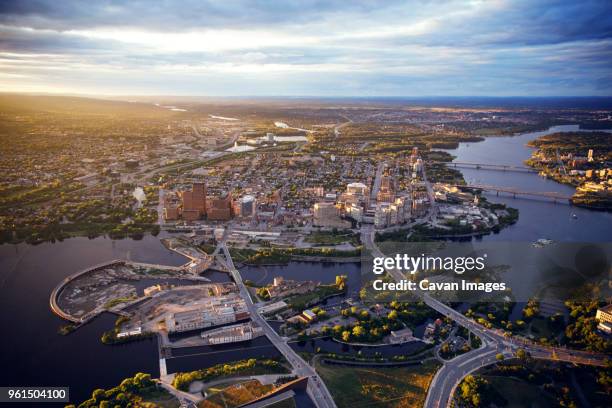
309,48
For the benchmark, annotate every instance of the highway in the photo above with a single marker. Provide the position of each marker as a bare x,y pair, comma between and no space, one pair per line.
494,341
317,390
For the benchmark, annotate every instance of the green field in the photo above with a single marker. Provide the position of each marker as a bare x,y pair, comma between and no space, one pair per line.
378,386
519,393
330,238
236,395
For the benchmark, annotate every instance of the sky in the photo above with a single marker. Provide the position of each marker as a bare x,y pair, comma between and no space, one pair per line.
307,48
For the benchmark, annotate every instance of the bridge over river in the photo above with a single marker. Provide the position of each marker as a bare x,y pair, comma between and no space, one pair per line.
515,192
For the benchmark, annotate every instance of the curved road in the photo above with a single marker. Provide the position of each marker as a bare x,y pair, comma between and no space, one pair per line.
494,341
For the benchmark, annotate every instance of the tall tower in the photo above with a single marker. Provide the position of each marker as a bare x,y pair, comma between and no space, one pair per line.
199,197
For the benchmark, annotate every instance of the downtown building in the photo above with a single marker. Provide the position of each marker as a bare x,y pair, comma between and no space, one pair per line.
194,202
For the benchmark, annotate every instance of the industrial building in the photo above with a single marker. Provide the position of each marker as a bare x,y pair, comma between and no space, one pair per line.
215,312
232,334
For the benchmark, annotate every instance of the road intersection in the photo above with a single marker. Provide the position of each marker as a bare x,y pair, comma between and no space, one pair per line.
494,342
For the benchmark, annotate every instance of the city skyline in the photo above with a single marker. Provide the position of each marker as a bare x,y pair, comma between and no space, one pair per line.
417,48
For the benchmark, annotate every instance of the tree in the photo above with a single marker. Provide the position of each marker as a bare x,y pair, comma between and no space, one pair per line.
521,354
358,331
98,394
445,349
346,335
470,390
341,282
392,315
363,293
499,357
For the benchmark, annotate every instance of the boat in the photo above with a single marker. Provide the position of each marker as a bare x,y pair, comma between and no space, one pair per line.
542,242
574,216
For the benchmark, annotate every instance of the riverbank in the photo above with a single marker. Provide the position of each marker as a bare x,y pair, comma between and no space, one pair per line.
283,256
576,159
538,217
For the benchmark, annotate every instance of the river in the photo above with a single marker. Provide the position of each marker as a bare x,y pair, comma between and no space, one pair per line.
529,267
32,351
538,218
34,354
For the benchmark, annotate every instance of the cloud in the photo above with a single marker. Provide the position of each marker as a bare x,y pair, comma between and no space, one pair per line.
453,47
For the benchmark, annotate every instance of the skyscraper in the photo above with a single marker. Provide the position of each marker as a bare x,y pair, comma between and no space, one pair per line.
194,202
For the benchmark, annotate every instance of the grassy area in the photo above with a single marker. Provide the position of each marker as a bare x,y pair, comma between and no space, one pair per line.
264,256
306,299
520,393
331,238
158,399
378,386
539,328
138,391
525,382
237,368
288,403
117,301
236,395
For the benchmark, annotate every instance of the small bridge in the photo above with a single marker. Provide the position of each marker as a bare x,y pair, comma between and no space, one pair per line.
516,192
489,166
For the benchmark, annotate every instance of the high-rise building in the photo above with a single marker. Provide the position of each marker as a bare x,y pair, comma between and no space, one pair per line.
171,212
220,208
172,204
194,202
326,214
381,217
357,189
386,194
247,206
355,212
418,166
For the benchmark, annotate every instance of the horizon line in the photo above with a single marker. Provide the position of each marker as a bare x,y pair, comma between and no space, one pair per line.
89,95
